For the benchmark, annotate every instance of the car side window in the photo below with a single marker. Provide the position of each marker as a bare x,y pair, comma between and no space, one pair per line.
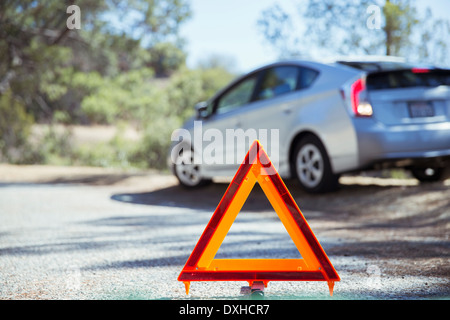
237,96
277,81
306,77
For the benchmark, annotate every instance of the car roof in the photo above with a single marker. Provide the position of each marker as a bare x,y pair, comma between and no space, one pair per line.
370,58
368,63
372,63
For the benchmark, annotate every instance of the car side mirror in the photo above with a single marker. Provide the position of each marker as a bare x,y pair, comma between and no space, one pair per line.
201,110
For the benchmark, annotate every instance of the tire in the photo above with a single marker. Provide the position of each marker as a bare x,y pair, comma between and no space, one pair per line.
430,174
187,172
311,166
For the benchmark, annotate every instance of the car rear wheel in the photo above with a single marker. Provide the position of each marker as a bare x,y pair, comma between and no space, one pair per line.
430,174
312,166
187,171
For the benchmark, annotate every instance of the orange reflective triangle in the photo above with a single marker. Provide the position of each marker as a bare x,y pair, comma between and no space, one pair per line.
314,265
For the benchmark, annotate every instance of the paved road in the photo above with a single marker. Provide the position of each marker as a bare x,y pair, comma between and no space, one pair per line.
114,238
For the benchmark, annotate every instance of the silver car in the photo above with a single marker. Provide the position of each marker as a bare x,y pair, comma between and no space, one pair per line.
321,120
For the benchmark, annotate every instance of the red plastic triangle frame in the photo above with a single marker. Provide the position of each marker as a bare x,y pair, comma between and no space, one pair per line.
201,265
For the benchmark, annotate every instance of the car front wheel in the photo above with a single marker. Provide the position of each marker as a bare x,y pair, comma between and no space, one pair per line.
312,166
187,171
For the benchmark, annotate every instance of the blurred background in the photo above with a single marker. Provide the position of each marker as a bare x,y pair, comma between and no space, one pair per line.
104,83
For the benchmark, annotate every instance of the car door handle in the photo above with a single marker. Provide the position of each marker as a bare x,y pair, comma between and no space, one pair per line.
287,111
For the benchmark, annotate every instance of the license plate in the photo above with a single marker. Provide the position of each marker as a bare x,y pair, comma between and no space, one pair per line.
420,109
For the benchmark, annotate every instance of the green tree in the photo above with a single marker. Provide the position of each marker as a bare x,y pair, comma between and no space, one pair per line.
37,46
356,27
15,125
400,19
99,71
34,44
165,58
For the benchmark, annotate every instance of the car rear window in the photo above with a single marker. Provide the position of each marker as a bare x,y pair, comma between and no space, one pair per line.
371,66
408,78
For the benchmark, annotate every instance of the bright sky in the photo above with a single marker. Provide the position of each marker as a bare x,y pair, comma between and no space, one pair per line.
229,28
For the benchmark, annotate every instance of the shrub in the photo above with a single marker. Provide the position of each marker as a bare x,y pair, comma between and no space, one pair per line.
15,126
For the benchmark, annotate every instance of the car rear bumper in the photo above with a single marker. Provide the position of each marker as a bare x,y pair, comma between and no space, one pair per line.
414,142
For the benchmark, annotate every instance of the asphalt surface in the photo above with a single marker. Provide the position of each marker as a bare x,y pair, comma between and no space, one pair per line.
122,237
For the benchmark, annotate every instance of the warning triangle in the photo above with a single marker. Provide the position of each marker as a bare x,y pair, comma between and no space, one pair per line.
314,265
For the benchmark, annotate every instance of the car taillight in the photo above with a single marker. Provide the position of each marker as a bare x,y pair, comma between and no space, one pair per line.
360,106
420,70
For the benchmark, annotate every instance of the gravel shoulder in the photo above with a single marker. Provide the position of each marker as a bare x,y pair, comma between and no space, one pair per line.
112,234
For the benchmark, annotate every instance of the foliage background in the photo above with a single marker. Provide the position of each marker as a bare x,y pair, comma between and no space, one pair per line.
126,68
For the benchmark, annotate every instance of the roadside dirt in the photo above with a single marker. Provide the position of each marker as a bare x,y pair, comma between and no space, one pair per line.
402,225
